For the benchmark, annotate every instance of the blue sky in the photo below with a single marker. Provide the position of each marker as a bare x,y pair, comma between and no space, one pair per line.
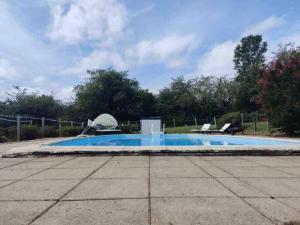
47,45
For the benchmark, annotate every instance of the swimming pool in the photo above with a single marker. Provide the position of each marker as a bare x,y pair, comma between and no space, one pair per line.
171,140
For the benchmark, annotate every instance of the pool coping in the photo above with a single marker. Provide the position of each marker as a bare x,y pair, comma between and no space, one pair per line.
45,149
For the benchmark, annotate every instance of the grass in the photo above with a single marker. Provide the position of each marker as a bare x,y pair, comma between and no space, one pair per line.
261,129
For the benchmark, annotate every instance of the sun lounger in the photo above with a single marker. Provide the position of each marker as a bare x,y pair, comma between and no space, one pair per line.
222,130
203,129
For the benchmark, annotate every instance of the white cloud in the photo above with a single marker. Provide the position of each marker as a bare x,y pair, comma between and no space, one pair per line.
170,50
98,59
7,71
88,20
65,94
264,26
218,61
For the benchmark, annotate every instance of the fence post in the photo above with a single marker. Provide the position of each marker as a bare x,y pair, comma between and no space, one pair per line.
215,121
18,128
254,122
174,122
268,125
242,118
43,126
82,124
59,127
71,123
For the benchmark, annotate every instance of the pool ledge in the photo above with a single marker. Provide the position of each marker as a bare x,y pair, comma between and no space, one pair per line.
45,149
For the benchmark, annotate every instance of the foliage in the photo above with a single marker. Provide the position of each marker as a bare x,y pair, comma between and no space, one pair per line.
30,132
248,61
109,91
22,102
69,131
232,117
130,128
202,97
280,85
51,131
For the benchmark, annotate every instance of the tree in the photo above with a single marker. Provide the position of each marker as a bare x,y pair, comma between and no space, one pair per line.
280,85
22,102
110,91
177,100
248,61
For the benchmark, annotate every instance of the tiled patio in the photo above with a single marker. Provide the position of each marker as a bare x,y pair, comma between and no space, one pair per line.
157,190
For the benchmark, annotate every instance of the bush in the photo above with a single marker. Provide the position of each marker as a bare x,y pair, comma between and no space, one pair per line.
280,85
51,131
30,132
129,128
3,139
233,118
71,131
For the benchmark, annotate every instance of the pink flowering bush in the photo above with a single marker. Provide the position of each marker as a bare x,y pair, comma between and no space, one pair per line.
280,90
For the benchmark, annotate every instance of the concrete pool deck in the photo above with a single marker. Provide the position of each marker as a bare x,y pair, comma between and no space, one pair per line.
41,147
149,190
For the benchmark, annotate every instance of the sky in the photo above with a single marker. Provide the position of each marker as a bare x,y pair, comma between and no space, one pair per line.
47,45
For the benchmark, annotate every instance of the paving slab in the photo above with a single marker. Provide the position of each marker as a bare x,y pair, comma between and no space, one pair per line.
171,163
130,158
36,190
12,174
34,165
255,172
294,171
21,213
82,163
127,172
234,163
5,182
242,188
168,158
110,188
292,202
212,211
101,212
276,187
215,172
53,158
66,174
275,210
167,172
187,187
4,164
127,163
92,158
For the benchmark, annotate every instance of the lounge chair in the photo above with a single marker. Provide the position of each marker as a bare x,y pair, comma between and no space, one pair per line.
222,130
203,129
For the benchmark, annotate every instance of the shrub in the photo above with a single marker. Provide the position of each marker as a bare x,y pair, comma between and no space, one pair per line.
232,117
71,131
3,139
30,132
51,131
129,128
280,85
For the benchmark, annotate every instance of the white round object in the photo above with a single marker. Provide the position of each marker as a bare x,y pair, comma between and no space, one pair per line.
106,121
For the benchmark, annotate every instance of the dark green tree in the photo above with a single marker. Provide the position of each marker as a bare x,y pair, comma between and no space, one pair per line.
248,61
177,101
110,91
22,102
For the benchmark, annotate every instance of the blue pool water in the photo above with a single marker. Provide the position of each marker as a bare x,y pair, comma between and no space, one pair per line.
169,140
